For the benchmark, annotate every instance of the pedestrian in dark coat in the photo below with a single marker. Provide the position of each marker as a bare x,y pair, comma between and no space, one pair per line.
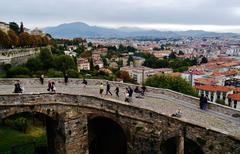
117,91
205,102
201,101
66,78
108,89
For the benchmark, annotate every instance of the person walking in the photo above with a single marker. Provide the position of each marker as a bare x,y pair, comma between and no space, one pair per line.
42,79
126,95
49,86
143,90
205,102
201,101
101,89
84,82
108,89
117,91
66,78
53,87
130,92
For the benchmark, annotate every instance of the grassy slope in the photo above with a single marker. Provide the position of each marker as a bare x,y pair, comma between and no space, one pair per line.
10,137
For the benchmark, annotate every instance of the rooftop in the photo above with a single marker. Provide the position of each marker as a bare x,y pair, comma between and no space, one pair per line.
215,88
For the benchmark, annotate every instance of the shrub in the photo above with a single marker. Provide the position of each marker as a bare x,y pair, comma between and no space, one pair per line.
72,73
174,83
54,73
20,123
220,101
18,71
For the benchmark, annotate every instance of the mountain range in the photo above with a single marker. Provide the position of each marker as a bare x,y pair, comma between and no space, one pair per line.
80,29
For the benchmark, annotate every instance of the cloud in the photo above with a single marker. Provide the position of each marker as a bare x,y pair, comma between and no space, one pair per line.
136,12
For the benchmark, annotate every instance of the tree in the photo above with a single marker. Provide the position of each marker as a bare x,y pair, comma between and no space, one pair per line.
130,59
96,67
34,64
45,41
121,48
105,62
72,73
180,52
49,36
204,60
80,50
174,83
4,40
25,39
64,63
86,54
172,55
17,71
90,44
124,75
14,26
131,49
91,64
21,30
13,38
46,58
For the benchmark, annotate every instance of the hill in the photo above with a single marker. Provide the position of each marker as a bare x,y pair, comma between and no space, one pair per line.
80,29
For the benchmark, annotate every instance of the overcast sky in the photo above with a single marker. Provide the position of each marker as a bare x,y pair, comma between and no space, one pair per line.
212,15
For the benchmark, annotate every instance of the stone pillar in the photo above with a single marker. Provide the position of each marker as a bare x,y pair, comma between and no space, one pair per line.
180,144
76,132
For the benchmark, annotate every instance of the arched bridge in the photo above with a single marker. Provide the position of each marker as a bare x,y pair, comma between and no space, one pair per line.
80,121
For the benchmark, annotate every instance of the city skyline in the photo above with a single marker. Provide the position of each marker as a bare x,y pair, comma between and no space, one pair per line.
214,15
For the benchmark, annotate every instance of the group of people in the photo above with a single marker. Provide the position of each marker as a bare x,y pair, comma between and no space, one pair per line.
139,91
203,102
128,92
18,88
51,86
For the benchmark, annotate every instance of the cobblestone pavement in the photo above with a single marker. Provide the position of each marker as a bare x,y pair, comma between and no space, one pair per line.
158,103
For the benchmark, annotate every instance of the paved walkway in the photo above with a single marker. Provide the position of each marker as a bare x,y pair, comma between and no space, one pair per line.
159,103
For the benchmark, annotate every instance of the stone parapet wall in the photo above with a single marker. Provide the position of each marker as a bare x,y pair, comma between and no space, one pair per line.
17,56
157,92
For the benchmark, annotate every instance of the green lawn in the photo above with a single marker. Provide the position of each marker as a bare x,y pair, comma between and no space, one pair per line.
10,137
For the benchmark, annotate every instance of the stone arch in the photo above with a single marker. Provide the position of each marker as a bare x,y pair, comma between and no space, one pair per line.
55,139
49,112
169,146
106,136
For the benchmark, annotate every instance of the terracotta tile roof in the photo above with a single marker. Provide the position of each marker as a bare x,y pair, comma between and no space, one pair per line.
175,74
237,90
206,81
227,73
235,97
214,88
